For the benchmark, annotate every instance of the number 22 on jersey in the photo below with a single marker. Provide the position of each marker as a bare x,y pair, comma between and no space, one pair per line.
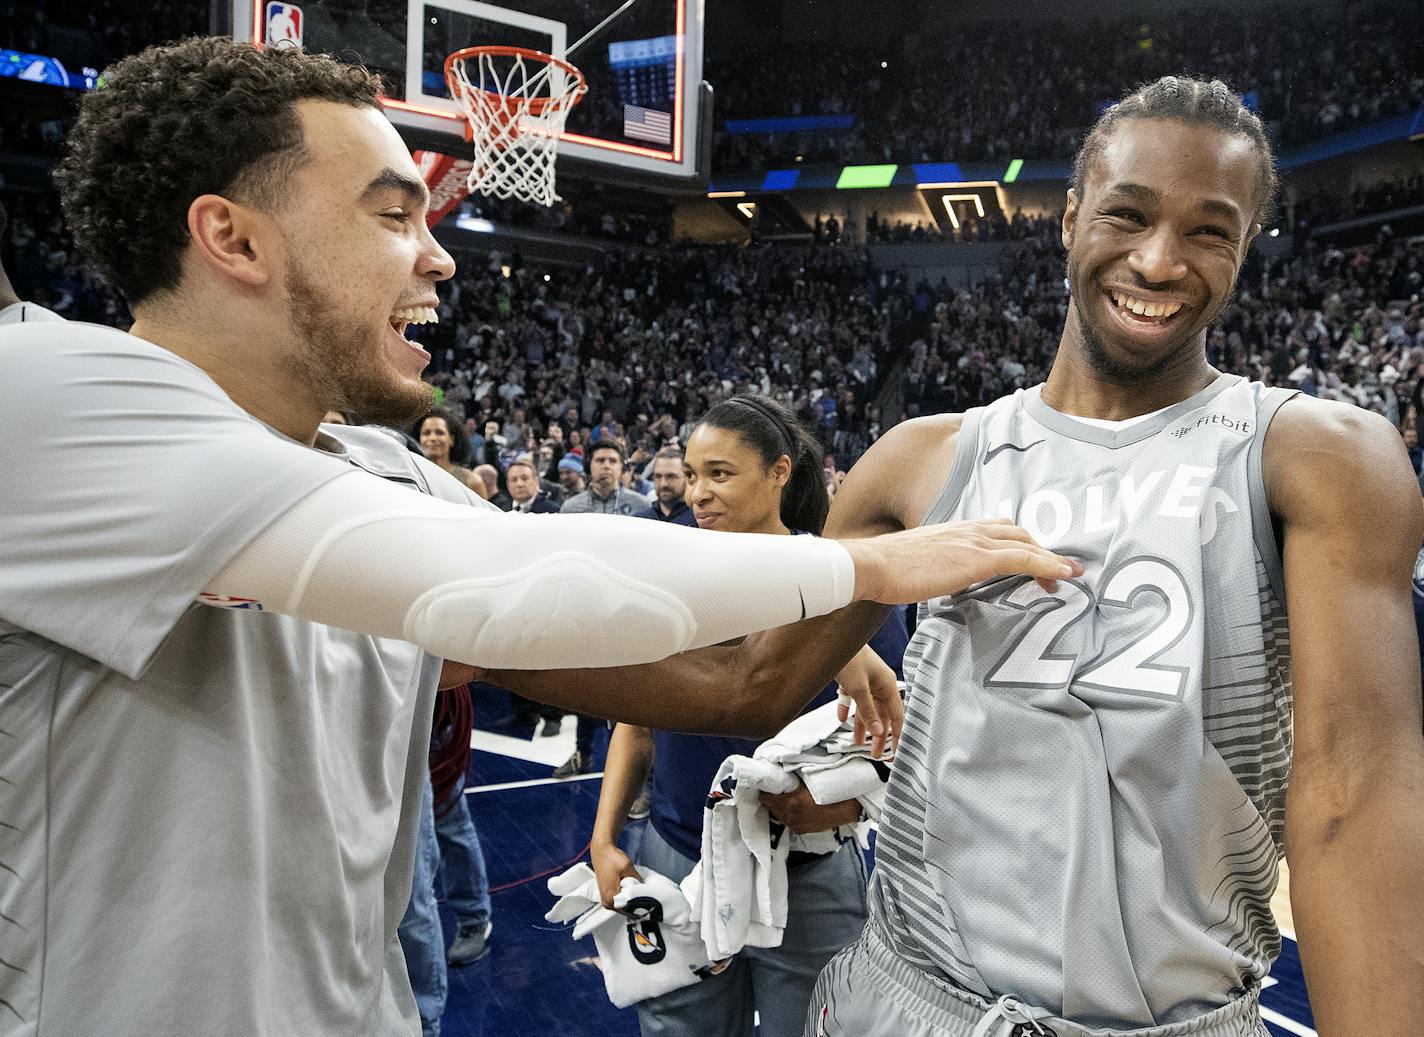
1129,667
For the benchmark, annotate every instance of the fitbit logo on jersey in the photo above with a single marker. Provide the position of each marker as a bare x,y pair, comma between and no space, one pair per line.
1244,427
1183,492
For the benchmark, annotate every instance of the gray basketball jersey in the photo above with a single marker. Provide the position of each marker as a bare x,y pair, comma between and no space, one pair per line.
208,815
1088,804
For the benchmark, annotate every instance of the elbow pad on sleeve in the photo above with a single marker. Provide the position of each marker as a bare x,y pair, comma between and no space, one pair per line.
621,620
515,592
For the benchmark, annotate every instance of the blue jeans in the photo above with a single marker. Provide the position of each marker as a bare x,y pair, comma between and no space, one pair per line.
825,911
421,936
462,863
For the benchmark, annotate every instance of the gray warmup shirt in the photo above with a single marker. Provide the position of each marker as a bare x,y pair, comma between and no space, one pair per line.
207,814
1088,804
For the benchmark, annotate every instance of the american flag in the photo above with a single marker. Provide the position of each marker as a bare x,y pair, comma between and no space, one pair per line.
647,124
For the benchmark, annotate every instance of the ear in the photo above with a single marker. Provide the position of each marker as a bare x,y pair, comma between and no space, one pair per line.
781,470
228,239
1250,237
1070,217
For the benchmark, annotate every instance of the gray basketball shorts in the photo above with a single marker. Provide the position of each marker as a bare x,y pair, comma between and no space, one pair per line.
866,991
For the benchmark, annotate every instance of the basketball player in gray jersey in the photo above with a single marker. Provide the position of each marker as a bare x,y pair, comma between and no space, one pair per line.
1095,784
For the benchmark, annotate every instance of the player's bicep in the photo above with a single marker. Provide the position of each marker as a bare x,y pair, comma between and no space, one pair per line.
1352,520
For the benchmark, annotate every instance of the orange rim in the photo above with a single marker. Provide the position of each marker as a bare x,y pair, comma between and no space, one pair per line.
536,105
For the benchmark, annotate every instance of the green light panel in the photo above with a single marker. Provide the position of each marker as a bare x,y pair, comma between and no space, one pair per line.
1012,173
866,176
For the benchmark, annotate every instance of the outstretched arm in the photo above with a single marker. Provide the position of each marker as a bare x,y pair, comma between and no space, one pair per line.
755,687
1342,489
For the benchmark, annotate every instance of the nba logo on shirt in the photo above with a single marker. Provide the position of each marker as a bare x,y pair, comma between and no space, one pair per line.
284,25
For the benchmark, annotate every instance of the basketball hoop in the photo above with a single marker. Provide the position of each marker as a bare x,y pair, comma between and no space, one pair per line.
516,101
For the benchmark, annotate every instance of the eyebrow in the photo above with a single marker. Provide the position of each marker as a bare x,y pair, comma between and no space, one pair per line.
388,179
1212,206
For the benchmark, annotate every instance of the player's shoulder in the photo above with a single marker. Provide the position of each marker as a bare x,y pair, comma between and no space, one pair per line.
1307,431
1321,456
17,334
915,436
894,483
48,361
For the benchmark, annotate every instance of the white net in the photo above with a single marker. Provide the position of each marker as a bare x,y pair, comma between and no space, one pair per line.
516,102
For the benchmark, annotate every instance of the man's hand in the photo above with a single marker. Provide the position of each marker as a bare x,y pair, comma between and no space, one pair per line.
803,815
879,709
932,561
612,866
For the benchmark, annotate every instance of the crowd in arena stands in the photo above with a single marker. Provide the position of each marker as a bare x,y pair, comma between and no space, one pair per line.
1382,197
95,33
989,91
1002,90
40,257
637,349
993,227
573,214
547,362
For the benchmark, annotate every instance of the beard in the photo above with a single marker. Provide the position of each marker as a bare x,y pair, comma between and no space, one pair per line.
1116,370
342,363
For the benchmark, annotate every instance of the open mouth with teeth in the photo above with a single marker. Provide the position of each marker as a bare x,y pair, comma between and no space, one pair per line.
402,319
1135,310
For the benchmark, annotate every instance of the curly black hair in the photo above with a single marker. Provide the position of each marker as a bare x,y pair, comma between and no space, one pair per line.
1196,101
204,115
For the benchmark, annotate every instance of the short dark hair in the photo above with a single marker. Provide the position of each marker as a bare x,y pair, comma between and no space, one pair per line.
769,428
1194,101
606,444
205,115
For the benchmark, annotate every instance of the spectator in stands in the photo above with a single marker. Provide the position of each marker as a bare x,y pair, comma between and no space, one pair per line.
442,444
487,480
571,478
669,484
604,494
526,496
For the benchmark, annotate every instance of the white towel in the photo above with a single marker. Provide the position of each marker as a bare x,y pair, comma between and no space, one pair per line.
738,889
653,952
743,866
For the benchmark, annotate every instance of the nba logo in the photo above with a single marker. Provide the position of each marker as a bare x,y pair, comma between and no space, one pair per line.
284,25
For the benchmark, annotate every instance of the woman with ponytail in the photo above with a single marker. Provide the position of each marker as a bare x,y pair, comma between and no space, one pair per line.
751,468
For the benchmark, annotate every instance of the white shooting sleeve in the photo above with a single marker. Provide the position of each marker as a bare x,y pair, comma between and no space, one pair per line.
528,592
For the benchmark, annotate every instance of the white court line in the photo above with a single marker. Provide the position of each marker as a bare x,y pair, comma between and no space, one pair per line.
551,751
1286,1024
532,782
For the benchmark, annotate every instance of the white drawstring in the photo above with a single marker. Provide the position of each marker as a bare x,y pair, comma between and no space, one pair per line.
1011,1012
